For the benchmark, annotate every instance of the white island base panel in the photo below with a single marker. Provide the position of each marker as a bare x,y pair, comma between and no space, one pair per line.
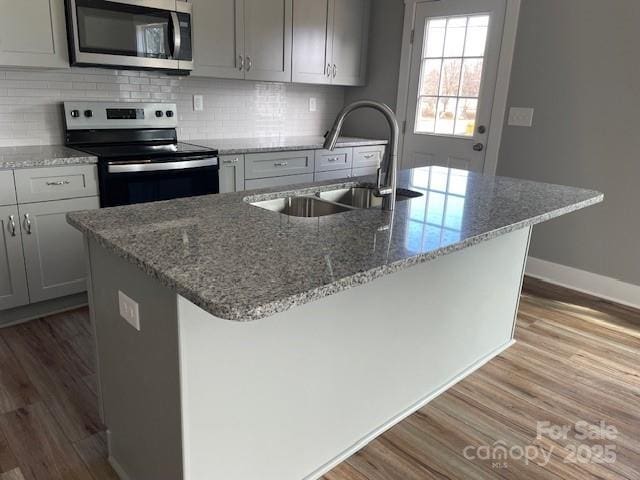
291,396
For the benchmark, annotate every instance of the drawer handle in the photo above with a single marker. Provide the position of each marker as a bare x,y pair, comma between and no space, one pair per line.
240,62
27,223
229,161
370,155
58,183
12,225
281,164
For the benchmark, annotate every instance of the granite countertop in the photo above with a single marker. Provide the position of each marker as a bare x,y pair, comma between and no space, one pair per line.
240,262
238,146
42,156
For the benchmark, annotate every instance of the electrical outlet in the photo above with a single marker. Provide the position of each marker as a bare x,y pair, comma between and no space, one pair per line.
198,103
129,310
313,104
521,117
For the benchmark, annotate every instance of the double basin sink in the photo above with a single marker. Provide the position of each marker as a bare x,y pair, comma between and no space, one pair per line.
331,202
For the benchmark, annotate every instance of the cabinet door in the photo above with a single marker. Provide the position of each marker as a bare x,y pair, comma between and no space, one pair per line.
32,33
13,281
279,164
53,249
311,42
333,175
350,37
218,38
268,31
231,173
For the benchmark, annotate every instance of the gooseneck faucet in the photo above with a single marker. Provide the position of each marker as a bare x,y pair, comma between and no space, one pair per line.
388,190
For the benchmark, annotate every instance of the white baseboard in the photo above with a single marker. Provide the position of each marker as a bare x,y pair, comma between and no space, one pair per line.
591,283
326,468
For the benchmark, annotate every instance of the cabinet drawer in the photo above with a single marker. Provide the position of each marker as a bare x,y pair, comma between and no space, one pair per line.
56,183
368,156
7,188
339,159
360,172
278,181
332,175
265,165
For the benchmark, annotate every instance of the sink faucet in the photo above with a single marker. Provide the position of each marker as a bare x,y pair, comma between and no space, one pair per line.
388,190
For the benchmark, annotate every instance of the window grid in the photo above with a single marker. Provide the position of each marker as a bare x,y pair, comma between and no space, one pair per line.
459,100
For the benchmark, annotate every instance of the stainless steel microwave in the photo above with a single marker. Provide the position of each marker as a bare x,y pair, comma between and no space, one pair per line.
130,34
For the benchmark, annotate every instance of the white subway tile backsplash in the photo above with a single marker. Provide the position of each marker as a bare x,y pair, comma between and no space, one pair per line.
30,103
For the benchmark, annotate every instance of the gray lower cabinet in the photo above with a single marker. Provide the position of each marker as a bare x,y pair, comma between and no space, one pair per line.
33,34
332,175
7,189
231,173
279,164
338,159
278,181
360,172
13,281
53,250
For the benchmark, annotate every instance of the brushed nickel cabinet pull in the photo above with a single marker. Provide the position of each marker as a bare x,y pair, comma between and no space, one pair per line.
12,225
27,223
59,183
240,62
281,164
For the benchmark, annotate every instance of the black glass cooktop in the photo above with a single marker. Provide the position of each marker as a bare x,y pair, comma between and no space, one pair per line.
124,152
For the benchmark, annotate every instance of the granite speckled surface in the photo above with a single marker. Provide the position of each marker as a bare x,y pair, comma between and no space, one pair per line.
240,262
42,156
239,146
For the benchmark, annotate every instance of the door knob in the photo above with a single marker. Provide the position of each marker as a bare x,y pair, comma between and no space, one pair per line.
478,147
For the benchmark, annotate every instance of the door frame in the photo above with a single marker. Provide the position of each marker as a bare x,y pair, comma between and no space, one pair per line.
505,62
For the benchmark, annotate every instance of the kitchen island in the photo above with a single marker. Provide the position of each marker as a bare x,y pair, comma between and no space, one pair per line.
269,346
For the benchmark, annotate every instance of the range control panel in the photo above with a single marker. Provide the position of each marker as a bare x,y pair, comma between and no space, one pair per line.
108,115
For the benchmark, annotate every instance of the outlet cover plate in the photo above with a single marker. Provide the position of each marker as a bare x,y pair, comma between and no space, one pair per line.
198,103
129,310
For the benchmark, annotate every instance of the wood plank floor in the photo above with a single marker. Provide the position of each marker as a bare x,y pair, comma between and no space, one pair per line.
577,360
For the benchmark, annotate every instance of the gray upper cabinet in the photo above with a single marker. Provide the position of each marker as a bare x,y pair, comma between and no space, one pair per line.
13,281
218,38
53,250
32,34
231,173
350,38
244,39
268,39
330,41
311,41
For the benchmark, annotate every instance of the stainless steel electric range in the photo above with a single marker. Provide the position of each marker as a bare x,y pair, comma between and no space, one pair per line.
139,156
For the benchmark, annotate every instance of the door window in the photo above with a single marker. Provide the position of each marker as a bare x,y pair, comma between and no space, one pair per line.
451,75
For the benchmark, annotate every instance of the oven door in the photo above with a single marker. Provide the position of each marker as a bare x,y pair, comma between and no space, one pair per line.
126,183
145,34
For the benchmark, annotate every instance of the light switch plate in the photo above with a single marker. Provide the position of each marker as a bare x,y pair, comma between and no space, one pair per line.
313,104
129,310
198,103
521,117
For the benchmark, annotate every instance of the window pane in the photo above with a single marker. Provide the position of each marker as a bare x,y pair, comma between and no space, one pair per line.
430,81
476,36
439,178
456,29
466,117
450,78
426,115
434,37
458,183
445,117
471,77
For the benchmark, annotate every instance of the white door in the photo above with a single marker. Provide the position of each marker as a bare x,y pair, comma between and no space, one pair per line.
452,82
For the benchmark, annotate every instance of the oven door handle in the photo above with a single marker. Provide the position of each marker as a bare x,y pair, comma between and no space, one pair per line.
161,166
177,36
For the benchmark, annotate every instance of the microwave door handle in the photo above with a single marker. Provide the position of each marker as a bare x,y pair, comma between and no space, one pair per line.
177,36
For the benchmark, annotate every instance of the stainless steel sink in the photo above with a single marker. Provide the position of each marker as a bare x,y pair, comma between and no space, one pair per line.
363,197
307,207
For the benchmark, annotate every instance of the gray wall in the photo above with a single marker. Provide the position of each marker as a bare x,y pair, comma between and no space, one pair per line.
385,44
577,64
